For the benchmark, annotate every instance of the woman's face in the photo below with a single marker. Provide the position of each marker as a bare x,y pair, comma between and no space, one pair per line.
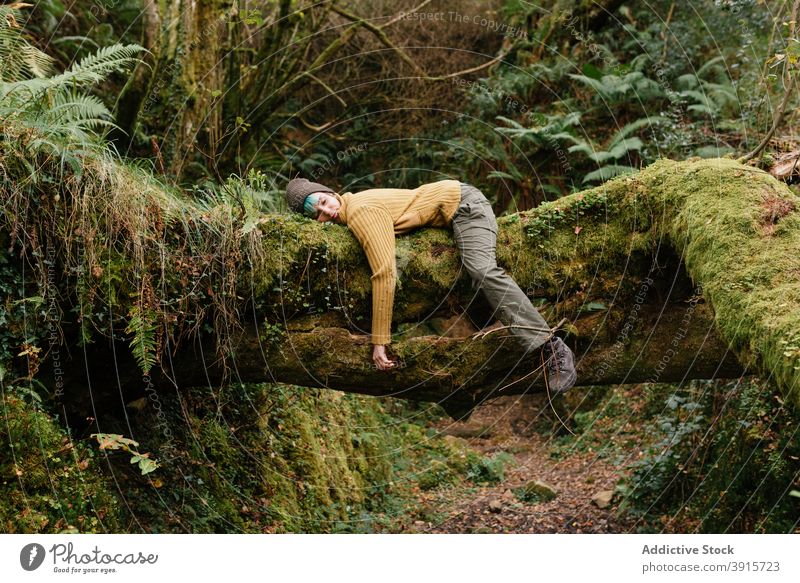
327,208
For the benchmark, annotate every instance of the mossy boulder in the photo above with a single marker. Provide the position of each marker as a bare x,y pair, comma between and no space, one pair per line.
534,492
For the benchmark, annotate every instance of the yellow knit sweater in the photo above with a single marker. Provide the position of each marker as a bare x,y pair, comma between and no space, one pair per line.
375,216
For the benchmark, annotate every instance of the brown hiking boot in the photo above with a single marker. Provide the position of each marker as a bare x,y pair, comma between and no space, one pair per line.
560,361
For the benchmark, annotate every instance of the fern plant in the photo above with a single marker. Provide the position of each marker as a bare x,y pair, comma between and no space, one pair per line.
622,145
545,128
57,108
708,97
249,196
18,58
614,89
545,133
143,326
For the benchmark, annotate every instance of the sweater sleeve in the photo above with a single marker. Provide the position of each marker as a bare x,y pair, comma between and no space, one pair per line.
374,229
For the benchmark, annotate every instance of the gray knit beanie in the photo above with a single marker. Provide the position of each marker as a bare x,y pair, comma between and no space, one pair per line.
298,189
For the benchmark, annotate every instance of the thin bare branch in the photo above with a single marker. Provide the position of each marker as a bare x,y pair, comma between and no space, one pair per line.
382,36
325,86
400,16
790,83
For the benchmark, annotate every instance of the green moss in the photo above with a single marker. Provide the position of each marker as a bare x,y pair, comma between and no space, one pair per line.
50,483
590,246
736,228
534,492
747,261
438,473
275,458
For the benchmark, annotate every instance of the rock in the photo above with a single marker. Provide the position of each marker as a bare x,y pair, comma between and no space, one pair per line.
603,499
496,506
535,491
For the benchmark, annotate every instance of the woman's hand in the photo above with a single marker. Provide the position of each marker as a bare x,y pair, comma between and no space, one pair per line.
380,359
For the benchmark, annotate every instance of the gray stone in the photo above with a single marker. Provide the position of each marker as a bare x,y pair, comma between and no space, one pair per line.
603,498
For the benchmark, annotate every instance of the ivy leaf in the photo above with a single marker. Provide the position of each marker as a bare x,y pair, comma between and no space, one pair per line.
114,441
147,465
107,440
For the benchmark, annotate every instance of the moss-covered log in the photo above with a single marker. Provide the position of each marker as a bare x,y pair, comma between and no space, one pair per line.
611,260
685,270
461,372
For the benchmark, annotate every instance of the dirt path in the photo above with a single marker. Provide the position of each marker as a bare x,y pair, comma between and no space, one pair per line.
575,472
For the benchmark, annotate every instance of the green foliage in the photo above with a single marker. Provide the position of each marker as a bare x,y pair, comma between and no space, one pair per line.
454,461
18,58
113,441
488,469
546,129
723,459
613,90
534,493
679,426
251,195
14,313
59,109
143,326
709,98
50,483
621,146
437,474
280,458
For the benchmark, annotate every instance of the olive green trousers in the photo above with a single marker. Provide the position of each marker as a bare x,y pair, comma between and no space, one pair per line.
475,234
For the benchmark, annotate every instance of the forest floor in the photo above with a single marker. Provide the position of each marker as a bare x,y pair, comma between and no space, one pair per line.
580,473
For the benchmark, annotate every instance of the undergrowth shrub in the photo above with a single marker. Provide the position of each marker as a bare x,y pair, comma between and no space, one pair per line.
724,459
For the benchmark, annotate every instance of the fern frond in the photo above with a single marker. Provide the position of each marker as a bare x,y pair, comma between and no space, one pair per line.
96,67
502,175
624,147
582,147
598,86
722,95
607,172
39,64
635,126
700,108
143,326
697,96
511,122
687,81
711,66
566,137
76,107
18,58
55,107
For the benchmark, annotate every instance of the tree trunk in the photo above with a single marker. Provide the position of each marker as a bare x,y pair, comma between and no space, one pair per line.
685,270
177,92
